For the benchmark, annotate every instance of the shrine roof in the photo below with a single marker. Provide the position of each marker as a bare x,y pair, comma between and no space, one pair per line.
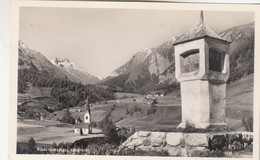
198,31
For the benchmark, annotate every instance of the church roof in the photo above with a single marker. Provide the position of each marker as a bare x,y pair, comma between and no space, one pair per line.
198,31
82,125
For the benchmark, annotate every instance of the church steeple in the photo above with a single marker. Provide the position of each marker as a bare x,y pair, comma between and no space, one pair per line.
87,116
87,105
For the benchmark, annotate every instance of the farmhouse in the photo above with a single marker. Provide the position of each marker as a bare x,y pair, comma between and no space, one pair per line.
84,128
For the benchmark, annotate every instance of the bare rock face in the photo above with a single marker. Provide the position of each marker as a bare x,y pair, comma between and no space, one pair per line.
75,70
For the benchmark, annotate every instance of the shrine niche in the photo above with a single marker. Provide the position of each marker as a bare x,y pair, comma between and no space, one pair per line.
216,60
189,61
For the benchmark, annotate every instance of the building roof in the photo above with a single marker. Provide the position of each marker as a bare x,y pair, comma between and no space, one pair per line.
198,31
82,125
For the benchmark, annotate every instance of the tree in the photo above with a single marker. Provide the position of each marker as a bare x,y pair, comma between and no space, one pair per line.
109,129
31,142
54,145
79,120
67,118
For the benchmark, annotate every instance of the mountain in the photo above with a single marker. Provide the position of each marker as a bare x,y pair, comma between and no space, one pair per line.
146,70
75,70
154,69
32,59
241,50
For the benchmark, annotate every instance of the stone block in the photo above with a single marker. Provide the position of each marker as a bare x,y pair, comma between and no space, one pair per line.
145,148
143,134
146,142
157,138
196,139
198,151
173,151
135,135
136,142
174,139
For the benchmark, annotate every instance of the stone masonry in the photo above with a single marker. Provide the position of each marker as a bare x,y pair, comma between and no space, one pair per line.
189,144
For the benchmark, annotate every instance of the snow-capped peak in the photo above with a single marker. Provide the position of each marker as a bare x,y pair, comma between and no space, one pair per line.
73,69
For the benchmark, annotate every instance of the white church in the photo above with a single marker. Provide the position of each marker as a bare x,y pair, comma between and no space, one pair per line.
84,128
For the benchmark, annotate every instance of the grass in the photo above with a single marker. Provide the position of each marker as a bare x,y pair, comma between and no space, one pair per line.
49,131
166,118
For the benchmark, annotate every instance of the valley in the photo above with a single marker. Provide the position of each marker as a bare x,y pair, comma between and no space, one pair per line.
130,110
60,103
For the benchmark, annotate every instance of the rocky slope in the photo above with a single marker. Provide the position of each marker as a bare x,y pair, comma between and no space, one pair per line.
29,58
153,69
75,70
59,67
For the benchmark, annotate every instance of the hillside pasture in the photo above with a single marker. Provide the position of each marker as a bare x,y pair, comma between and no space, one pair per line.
239,105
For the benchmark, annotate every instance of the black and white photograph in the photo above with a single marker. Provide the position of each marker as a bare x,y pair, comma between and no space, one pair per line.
134,79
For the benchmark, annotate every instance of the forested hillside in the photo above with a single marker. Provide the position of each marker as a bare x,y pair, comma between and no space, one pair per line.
36,71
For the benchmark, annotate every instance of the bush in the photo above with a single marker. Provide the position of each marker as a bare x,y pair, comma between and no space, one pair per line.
132,110
151,110
248,123
105,149
132,152
31,142
109,129
93,124
79,120
67,118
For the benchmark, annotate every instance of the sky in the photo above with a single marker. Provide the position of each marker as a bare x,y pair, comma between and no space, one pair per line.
101,40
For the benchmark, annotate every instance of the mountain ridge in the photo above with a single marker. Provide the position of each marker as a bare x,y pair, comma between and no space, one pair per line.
157,69
75,70
64,68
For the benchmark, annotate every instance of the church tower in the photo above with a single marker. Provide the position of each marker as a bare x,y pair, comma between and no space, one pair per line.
202,68
87,116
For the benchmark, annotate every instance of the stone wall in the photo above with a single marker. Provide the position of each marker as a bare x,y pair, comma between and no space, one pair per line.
189,144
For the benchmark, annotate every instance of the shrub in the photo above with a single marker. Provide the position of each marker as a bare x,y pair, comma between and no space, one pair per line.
62,145
31,142
151,110
79,120
109,129
54,145
132,152
248,123
132,110
105,149
67,118
93,124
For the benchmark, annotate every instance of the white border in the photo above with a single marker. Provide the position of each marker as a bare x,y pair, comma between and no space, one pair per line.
122,5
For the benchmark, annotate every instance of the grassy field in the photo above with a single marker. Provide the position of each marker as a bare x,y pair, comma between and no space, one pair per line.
168,115
130,110
48,132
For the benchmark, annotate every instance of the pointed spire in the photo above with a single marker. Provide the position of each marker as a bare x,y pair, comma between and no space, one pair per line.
198,31
201,16
87,105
